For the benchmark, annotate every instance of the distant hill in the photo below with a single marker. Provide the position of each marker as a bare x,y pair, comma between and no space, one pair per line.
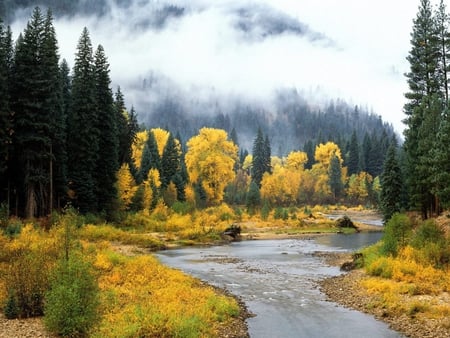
289,118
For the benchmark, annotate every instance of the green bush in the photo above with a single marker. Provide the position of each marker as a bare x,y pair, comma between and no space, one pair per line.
278,214
265,211
182,208
71,306
11,309
428,232
397,232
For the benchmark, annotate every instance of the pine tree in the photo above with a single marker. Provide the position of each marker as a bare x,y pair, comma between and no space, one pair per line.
59,146
335,177
108,164
391,184
36,104
441,161
5,112
253,199
423,81
83,133
150,158
267,155
170,162
53,106
122,127
261,157
309,150
353,155
443,31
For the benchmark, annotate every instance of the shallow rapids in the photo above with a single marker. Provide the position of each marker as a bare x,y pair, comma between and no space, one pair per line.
277,279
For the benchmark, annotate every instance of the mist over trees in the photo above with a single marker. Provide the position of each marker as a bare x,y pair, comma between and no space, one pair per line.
67,138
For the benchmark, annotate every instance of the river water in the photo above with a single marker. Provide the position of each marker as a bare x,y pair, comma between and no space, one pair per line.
277,279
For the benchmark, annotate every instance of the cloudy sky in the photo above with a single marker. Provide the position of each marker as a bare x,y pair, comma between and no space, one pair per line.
350,49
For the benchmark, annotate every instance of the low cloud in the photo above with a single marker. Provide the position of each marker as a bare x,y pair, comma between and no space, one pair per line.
345,49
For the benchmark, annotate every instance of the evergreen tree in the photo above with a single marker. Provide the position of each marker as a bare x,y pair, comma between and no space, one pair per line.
35,96
267,155
253,200
127,127
441,162
443,31
150,158
261,157
108,164
59,146
309,150
54,107
391,184
335,177
5,113
170,162
423,81
83,133
353,155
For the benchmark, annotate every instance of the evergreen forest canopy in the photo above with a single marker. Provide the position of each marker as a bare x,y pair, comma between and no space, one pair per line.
66,138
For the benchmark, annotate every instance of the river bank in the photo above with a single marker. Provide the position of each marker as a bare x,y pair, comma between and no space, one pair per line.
237,327
347,290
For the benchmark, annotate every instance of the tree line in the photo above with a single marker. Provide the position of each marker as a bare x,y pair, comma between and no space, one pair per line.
427,119
56,123
67,138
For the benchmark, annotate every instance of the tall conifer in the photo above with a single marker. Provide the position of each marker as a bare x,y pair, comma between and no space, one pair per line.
353,155
424,84
170,162
391,184
83,133
36,106
5,113
107,124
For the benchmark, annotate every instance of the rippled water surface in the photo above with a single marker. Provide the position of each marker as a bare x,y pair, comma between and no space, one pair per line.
277,279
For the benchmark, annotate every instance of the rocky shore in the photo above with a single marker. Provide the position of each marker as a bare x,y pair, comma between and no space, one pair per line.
347,291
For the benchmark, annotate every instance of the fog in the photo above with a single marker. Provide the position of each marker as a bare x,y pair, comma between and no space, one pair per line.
224,49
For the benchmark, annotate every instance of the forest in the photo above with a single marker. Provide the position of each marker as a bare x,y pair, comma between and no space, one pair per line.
71,140
73,157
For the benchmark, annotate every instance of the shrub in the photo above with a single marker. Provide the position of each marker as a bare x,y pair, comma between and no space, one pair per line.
182,208
29,257
72,301
396,233
11,309
265,211
428,232
278,214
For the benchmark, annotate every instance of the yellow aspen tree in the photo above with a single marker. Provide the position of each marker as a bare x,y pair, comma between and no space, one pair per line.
324,152
296,160
138,147
275,160
247,165
126,186
151,186
280,187
210,159
323,155
358,186
161,137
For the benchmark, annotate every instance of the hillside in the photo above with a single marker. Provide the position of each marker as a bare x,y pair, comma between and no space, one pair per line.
290,118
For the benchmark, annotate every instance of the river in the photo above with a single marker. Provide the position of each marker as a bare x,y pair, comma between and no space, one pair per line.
277,279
